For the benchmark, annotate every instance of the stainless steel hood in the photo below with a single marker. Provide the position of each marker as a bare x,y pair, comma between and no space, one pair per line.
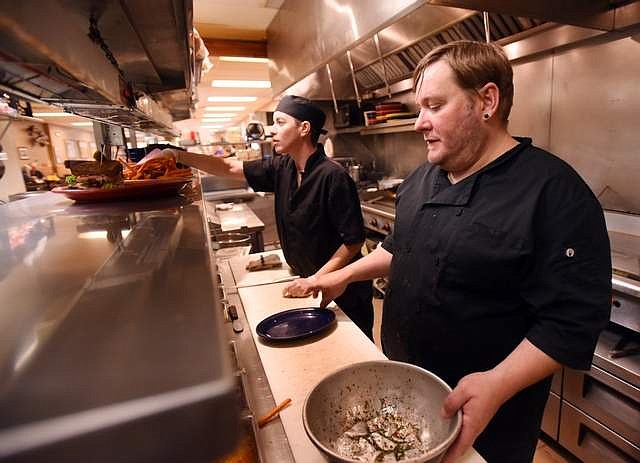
304,35
402,45
386,67
593,14
123,63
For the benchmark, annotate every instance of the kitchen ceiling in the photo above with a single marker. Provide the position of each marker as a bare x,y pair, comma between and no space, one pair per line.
230,22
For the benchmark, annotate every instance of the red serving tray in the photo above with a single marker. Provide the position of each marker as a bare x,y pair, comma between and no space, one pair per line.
132,189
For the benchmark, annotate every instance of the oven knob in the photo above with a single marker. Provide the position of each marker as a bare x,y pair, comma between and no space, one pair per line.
386,227
373,222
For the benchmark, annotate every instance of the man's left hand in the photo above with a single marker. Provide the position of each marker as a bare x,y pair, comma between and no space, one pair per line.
479,396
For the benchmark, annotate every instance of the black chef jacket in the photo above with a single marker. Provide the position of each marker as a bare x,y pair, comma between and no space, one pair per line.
518,249
315,218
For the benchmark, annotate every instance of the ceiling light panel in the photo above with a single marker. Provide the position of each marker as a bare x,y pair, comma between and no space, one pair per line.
221,115
243,59
224,108
241,83
231,99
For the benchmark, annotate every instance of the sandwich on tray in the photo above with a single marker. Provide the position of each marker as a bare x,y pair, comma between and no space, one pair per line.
101,173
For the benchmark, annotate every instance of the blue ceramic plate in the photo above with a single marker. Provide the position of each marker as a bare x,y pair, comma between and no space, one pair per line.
295,324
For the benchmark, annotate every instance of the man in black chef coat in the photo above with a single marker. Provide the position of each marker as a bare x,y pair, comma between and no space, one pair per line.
499,262
317,207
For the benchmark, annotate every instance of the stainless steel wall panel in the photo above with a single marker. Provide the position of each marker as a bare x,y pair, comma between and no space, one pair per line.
532,101
594,119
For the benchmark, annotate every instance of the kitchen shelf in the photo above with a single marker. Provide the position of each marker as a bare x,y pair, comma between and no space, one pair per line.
8,117
396,126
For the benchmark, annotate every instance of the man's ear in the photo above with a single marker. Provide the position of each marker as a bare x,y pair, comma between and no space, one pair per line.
490,98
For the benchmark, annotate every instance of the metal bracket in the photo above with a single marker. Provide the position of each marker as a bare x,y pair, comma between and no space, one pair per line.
376,40
487,31
353,78
333,93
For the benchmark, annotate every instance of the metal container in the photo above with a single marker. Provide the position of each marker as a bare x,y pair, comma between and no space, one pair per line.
417,394
230,240
354,172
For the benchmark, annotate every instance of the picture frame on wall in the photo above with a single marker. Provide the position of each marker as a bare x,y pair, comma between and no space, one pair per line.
58,154
23,152
85,152
72,149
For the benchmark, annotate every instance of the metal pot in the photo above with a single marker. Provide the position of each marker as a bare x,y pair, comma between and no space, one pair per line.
416,393
354,172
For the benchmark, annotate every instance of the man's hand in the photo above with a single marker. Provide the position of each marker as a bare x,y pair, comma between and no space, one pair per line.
300,287
479,396
331,285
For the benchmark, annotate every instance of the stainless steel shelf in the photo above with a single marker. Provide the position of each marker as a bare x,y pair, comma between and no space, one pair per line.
396,126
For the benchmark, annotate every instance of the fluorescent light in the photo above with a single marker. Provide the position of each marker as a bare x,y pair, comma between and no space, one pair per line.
231,99
243,59
241,83
211,126
220,119
82,124
52,115
224,108
220,115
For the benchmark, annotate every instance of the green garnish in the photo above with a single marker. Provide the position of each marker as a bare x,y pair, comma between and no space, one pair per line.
71,179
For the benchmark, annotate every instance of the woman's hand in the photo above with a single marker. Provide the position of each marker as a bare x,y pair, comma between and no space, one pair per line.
157,154
479,396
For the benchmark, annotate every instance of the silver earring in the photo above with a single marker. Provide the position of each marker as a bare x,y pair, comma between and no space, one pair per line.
486,116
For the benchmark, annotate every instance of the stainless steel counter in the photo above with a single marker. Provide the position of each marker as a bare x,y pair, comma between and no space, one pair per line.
111,337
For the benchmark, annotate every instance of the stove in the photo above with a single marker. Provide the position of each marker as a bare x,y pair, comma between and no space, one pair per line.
378,211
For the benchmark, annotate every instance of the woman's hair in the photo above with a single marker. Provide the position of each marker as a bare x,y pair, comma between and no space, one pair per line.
474,64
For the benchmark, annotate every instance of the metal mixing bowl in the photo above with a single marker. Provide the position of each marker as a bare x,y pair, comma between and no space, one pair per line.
417,393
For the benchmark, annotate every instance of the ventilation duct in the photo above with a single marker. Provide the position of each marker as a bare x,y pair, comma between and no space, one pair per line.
101,59
400,64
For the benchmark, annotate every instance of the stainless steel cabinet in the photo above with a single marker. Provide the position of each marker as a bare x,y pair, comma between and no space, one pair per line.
611,401
591,441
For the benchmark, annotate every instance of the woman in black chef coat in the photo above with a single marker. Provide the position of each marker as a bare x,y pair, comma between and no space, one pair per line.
499,262
317,207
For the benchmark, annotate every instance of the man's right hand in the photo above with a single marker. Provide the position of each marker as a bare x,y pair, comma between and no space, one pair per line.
331,285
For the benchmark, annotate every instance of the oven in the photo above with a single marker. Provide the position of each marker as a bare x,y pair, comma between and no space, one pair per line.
595,414
378,212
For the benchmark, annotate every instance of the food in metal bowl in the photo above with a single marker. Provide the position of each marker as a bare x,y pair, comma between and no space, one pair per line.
380,411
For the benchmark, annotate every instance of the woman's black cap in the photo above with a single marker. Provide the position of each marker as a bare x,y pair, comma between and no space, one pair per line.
304,110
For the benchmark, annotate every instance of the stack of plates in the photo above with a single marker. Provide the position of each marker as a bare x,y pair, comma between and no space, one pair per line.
392,110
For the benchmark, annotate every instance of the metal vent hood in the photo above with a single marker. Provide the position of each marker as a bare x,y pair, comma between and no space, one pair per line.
382,63
123,63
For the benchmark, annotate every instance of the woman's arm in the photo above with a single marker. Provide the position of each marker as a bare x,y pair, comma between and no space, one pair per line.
211,164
